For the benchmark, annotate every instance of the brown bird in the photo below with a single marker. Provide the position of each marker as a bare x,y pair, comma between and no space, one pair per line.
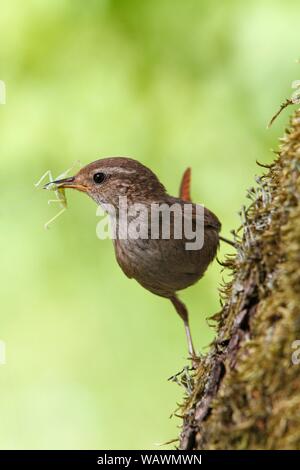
161,265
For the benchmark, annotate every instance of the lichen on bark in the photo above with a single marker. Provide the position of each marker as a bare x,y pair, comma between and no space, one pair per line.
246,390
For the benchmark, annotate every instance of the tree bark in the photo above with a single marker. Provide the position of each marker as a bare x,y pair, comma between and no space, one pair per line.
245,393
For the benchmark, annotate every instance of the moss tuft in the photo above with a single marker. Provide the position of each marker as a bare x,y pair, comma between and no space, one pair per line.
246,392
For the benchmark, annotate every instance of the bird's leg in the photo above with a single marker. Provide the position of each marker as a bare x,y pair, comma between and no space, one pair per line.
183,313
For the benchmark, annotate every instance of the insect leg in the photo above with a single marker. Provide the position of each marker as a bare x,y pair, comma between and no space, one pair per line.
54,218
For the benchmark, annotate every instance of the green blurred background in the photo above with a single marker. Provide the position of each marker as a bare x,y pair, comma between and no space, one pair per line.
172,83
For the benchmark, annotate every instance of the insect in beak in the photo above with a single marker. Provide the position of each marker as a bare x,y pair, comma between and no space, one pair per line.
66,183
63,183
58,187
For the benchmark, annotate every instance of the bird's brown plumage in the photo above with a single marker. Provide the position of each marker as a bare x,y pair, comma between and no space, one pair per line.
162,266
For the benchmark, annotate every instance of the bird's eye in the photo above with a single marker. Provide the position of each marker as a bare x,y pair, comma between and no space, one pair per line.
99,178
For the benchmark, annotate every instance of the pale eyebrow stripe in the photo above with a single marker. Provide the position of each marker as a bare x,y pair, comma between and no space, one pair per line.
114,169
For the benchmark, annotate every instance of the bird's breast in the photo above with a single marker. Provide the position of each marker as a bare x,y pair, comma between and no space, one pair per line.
164,266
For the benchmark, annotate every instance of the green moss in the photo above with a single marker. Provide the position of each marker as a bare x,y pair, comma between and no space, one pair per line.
246,392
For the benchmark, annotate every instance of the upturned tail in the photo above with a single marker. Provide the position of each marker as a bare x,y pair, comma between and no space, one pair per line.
185,195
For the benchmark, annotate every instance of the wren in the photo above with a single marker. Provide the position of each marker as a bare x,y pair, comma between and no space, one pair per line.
161,265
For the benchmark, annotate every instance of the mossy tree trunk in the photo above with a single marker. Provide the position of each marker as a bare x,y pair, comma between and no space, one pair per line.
246,391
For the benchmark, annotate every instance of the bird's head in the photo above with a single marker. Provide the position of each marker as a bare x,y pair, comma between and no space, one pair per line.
106,179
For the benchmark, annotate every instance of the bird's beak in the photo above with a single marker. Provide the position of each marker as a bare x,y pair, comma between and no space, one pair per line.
65,183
